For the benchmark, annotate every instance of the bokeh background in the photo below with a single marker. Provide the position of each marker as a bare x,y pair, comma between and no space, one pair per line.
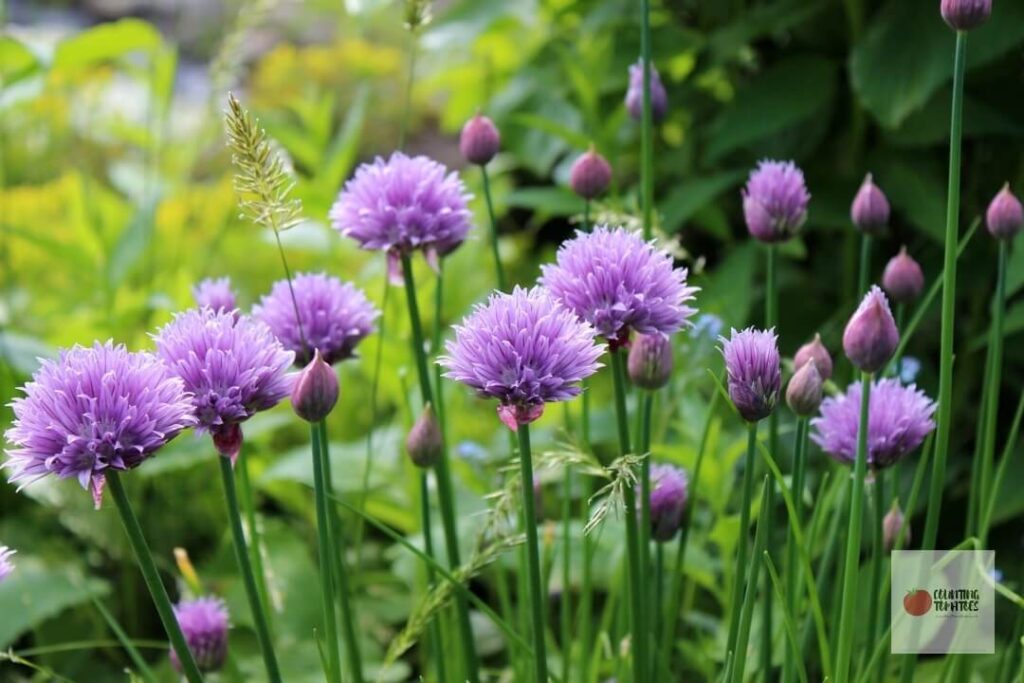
116,197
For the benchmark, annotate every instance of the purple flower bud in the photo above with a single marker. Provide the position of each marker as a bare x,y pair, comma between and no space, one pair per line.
650,361
870,208
775,201
755,372
424,443
228,441
204,623
315,391
216,294
891,525
963,15
669,492
635,93
804,392
903,280
590,175
816,351
480,140
871,336
1005,215
6,566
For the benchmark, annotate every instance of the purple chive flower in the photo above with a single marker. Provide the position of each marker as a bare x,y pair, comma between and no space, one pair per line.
775,201
755,371
814,350
523,349
669,492
635,93
618,283
899,418
336,316
6,566
216,294
401,205
870,209
96,408
233,369
963,15
590,174
1005,215
871,337
902,279
480,140
204,623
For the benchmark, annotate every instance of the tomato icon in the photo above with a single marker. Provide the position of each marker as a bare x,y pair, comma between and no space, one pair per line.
917,602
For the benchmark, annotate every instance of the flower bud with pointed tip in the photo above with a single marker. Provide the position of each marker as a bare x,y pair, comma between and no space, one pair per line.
315,391
590,175
1005,215
480,140
669,493
650,361
635,93
891,524
871,337
424,443
804,393
903,280
870,208
814,350
963,15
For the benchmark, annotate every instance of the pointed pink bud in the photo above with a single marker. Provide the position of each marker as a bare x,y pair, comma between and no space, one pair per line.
804,392
590,175
228,441
512,416
650,361
480,140
870,209
315,391
891,525
903,280
424,442
1005,215
871,337
816,351
395,275
96,486
963,15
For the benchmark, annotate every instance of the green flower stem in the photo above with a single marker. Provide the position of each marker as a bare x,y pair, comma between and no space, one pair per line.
586,215
255,537
566,602
248,576
876,558
403,131
348,614
499,271
584,613
445,492
997,483
992,400
771,315
897,359
529,520
792,564
152,577
865,265
945,415
436,643
659,592
739,659
646,407
848,594
637,615
326,558
741,552
647,124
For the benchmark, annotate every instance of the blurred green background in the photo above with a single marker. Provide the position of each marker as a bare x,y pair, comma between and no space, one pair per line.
116,197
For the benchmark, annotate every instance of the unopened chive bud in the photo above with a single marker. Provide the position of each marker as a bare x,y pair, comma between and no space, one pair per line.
804,392
903,280
590,175
650,361
424,442
315,391
814,350
479,141
1005,215
870,208
871,337
964,15
891,525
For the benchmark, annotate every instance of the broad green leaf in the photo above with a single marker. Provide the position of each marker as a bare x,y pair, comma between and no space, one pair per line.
16,61
104,43
551,201
693,195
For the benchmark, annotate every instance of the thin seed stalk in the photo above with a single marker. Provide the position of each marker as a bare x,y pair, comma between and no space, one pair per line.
248,576
326,559
741,552
152,577
849,586
445,491
992,400
943,423
498,269
792,564
533,554
638,641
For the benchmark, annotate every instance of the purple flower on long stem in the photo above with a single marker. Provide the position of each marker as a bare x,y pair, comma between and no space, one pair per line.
523,349
96,408
619,283
755,371
775,201
669,493
870,209
335,316
870,338
401,205
899,418
635,93
6,566
204,623
216,294
232,369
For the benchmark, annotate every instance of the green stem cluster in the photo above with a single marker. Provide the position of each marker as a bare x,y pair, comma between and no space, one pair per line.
646,125
533,554
742,544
